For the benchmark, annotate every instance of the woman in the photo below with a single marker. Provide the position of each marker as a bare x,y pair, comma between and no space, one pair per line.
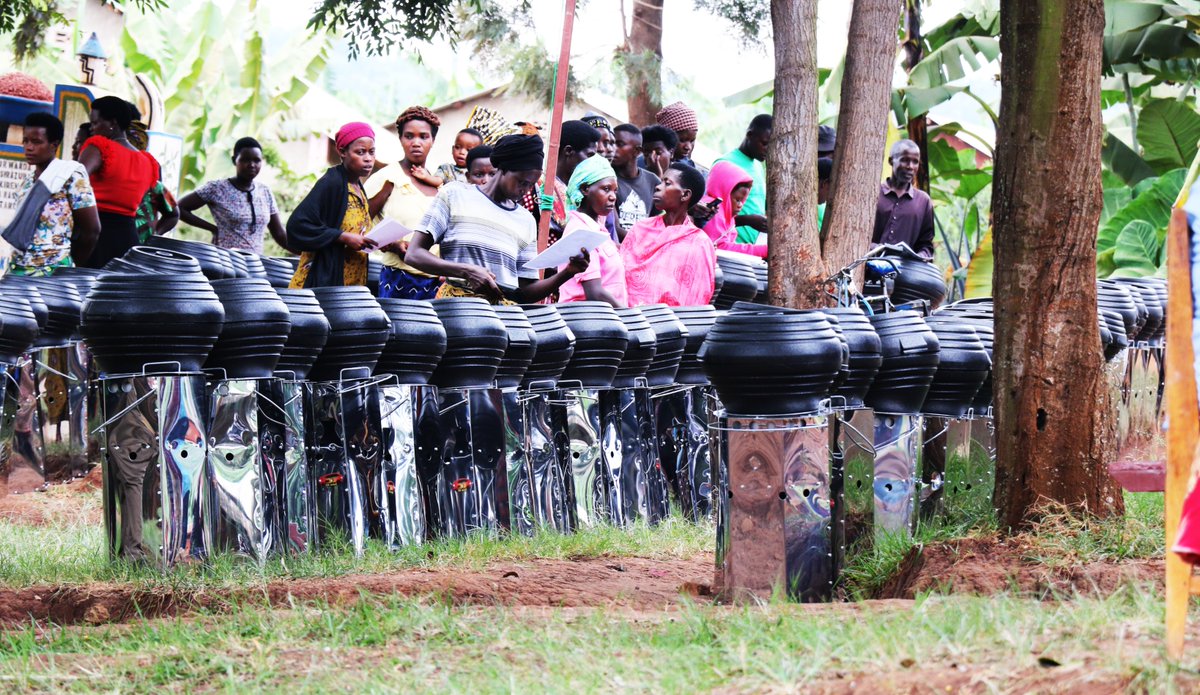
401,192
55,220
486,236
668,259
158,213
120,174
242,208
329,226
591,196
729,184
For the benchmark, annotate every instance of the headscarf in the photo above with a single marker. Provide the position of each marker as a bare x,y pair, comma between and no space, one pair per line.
351,132
587,172
678,117
138,136
597,121
518,153
722,179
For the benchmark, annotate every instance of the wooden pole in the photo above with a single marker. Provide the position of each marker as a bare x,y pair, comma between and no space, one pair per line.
556,117
1183,427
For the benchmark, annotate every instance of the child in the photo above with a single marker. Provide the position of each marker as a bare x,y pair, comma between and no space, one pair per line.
479,165
464,142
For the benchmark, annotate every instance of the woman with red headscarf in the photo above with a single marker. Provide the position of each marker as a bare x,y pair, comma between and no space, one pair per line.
730,184
330,224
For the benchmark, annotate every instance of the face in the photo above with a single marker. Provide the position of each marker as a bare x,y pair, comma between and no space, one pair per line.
905,163
601,197
102,126
572,157
416,137
757,144
629,146
738,197
248,162
608,145
687,143
80,135
359,157
670,195
463,144
514,185
481,171
38,148
822,192
657,151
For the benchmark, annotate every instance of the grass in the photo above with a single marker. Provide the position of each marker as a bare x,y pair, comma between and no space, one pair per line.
411,645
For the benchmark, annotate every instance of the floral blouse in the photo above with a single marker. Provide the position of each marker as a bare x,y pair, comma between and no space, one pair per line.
51,245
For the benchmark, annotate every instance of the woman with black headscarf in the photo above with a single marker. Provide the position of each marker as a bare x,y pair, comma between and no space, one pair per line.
486,237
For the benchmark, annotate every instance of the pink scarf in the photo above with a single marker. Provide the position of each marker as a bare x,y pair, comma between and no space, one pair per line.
668,265
722,179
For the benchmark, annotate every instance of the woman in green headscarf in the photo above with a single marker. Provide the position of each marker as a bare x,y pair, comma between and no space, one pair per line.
591,197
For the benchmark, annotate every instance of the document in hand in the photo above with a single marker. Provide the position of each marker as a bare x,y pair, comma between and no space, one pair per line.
388,231
568,246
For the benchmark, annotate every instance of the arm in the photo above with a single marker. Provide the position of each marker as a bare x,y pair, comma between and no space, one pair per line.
187,205
756,222
91,160
924,245
275,226
168,213
532,291
424,176
85,233
419,257
595,292
375,205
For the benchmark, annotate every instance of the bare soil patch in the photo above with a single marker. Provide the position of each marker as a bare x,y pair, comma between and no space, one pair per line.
988,565
630,583
57,504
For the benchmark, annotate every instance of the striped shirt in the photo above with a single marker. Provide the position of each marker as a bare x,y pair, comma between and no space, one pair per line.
474,229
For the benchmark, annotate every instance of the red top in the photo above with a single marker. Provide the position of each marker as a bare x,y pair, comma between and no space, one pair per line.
124,176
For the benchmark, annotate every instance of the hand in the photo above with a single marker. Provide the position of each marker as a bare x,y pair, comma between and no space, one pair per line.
422,174
579,263
358,242
481,280
398,247
701,214
658,163
756,222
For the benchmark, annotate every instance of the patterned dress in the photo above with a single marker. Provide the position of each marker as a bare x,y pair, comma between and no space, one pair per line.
51,245
356,221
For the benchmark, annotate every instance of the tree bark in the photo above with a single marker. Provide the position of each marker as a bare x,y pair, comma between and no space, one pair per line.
914,51
796,266
862,131
1054,432
643,62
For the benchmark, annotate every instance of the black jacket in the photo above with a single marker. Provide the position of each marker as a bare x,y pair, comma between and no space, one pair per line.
316,224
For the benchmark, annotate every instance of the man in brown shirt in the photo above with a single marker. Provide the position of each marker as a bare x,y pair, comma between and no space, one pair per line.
904,214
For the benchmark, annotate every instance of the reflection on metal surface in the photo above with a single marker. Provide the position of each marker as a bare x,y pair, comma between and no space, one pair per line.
397,490
326,462
61,387
364,459
472,480
681,418
22,456
154,468
775,518
295,505
589,482
548,452
240,474
898,441
636,485
517,455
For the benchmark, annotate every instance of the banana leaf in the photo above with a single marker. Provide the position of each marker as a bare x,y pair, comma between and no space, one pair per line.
1137,250
979,270
1168,131
1153,205
1120,159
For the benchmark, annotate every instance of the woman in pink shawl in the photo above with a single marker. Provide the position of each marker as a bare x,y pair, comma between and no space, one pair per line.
668,259
730,184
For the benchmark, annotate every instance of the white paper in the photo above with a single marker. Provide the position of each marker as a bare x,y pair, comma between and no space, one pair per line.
388,231
568,246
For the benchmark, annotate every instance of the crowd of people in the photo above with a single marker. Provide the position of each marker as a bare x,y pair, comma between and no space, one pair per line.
470,223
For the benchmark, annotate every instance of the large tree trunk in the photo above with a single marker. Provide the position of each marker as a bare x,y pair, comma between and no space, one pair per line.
862,130
1053,429
643,62
914,51
796,267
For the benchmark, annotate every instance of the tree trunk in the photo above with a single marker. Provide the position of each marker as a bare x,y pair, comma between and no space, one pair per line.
643,62
796,266
1053,429
914,51
862,131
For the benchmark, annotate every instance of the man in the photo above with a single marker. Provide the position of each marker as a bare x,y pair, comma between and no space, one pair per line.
904,215
578,142
826,141
750,156
681,119
658,148
56,222
635,185
824,182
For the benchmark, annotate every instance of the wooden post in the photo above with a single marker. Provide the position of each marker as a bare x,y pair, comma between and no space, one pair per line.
1183,427
556,117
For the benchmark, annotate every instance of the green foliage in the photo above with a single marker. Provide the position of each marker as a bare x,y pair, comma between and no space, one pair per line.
1129,243
29,20
1168,131
1121,160
751,18
1137,251
381,25
1142,35
954,174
